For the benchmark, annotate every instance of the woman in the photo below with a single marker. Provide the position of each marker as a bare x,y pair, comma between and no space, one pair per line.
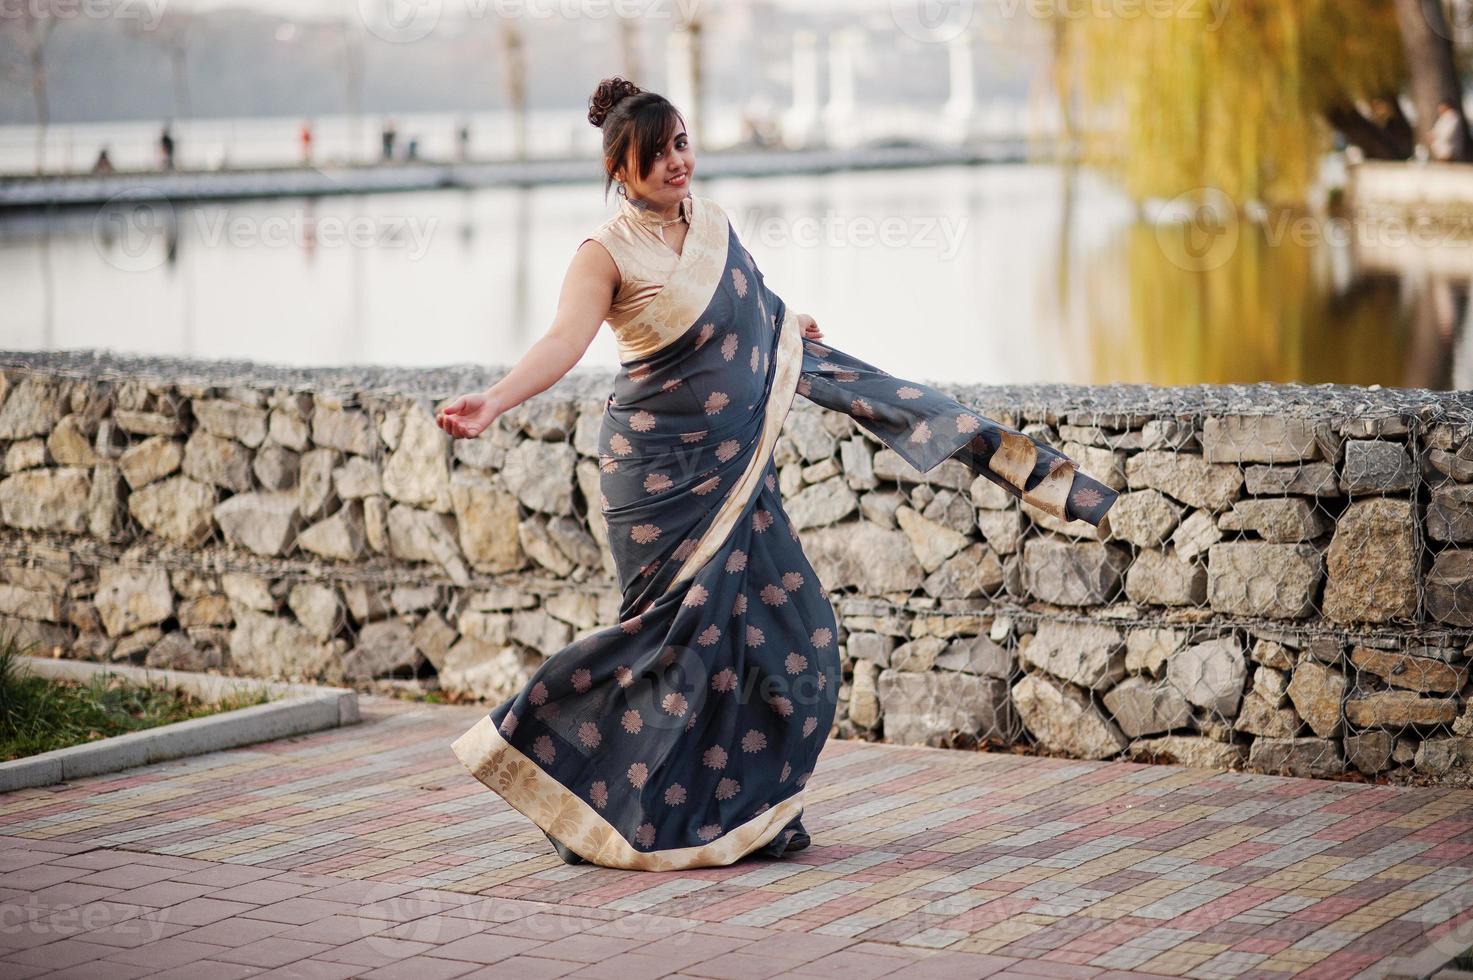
684,735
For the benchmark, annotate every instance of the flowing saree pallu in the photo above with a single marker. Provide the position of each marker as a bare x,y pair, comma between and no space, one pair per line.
684,735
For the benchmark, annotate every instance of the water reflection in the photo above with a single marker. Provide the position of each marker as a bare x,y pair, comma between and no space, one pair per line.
984,275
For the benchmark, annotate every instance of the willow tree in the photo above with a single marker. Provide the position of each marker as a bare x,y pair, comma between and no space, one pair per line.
1245,102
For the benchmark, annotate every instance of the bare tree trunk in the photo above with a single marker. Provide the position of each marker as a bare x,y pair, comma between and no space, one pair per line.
629,49
1431,68
43,104
516,86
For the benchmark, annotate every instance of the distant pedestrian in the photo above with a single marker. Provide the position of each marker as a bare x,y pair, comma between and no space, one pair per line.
463,142
305,137
388,137
411,152
166,148
1442,135
104,163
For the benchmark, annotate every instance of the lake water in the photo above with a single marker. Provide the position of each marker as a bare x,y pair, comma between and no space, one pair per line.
982,274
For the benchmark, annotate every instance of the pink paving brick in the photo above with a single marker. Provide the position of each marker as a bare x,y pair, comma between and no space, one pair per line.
357,897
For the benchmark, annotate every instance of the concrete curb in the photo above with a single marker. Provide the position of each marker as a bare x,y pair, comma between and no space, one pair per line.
295,709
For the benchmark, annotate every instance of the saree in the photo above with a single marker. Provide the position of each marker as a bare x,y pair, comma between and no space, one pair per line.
684,735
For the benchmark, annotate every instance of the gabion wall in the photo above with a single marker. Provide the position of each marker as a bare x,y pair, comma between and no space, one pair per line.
1286,584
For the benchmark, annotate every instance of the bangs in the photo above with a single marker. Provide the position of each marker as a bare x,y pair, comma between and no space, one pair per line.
654,125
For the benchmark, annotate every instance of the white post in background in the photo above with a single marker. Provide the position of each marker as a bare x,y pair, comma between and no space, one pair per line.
961,106
679,66
839,124
799,119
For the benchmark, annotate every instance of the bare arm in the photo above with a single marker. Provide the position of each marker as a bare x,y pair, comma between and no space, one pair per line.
588,290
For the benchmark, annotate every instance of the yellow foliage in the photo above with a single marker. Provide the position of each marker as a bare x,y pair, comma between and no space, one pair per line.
1172,103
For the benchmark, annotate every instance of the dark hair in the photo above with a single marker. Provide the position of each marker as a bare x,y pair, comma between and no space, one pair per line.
630,116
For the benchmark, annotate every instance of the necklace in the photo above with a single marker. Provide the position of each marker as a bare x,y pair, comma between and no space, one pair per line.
646,215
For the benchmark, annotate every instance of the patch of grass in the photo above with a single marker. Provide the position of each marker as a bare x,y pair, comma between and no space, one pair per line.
39,714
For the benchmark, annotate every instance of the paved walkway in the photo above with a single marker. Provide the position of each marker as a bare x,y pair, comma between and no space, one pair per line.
369,852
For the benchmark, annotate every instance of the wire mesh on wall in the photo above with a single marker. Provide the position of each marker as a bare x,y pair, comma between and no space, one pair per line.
1285,584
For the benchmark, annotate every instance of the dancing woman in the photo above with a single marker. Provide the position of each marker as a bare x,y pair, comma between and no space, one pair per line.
683,735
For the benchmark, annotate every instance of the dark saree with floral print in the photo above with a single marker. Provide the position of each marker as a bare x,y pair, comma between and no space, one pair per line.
684,735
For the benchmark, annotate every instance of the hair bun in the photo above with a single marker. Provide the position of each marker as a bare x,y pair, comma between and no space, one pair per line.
610,92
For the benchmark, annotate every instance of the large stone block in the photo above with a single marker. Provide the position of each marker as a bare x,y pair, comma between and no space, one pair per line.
862,556
131,598
32,408
541,475
1086,573
1185,477
1399,709
1374,466
1318,693
265,523
385,649
822,503
152,459
1296,756
341,537
231,420
1144,518
222,462
1449,585
1450,514
346,430
1261,439
262,645
1160,579
932,708
178,508
1414,673
1310,479
1091,655
1372,563
1276,519
418,470
1063,719
1141,706
47,499
1210,675
1251,578
486,516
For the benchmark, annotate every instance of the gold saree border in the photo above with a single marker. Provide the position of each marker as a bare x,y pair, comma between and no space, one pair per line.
571,819
784,389
1014,461
687,292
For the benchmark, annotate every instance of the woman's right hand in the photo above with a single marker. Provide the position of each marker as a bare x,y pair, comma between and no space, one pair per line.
467,416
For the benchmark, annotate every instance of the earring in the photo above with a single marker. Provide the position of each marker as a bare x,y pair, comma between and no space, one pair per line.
619,189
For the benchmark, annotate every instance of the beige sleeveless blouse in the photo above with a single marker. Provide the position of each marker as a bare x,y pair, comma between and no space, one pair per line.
644,259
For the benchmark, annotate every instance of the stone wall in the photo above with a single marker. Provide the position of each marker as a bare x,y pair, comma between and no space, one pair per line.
1286,584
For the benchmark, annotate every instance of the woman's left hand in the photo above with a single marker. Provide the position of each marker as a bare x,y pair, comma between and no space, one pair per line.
809,327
